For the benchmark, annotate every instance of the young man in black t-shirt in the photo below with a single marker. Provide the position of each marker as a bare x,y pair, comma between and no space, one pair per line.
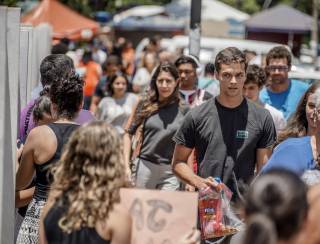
231,135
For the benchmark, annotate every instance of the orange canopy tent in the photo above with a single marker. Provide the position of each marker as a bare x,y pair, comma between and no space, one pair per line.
64,21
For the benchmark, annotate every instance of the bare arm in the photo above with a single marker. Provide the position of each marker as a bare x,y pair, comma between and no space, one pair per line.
184,172
262,156
127,136
94,103
26,167
23,197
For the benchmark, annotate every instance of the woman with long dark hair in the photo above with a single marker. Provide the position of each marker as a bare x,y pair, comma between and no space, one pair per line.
43,148
157,117
299,150
83,203
300,123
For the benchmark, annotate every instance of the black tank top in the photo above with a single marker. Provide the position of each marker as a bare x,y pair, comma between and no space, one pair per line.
55,235
43,177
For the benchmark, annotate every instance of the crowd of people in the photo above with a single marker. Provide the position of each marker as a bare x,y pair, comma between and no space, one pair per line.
110,119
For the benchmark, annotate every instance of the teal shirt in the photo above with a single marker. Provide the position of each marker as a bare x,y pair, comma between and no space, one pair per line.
286,101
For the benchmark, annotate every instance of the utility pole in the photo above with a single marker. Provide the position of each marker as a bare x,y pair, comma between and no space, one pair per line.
195,28
314,33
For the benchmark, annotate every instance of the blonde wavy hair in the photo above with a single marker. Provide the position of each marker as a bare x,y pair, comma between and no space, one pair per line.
89,175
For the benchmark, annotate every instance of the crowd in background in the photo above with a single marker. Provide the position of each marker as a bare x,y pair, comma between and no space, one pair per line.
108,117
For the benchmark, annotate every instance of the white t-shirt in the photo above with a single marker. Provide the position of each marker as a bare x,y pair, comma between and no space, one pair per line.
277,116
142,78
117,111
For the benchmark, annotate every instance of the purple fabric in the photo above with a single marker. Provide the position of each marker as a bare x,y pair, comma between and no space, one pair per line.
83,117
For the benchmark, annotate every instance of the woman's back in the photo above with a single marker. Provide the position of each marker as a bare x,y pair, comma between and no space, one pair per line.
55,234
62,132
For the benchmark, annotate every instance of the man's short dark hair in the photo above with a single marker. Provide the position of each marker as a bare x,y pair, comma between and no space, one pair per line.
55,67
279,52
228,56
59,48
185,59
255,75
209,69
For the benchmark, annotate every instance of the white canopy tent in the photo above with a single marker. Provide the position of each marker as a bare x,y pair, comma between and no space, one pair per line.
218,19
211,10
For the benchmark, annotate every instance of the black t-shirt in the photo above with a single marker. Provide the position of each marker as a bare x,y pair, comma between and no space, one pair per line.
226,139
159,128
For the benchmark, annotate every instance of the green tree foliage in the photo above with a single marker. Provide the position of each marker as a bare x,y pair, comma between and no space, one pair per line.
10,3
253,6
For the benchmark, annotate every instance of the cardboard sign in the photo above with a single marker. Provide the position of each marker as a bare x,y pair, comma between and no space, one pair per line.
160,217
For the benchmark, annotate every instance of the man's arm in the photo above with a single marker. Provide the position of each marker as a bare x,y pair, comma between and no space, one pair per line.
184,172
262,156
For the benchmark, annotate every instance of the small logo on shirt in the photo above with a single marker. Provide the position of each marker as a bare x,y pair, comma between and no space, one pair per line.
242,134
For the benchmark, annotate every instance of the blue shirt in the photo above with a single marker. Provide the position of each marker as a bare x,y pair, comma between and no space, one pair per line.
286,101
294,154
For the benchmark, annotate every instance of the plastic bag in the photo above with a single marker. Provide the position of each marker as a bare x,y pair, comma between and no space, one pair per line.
216,217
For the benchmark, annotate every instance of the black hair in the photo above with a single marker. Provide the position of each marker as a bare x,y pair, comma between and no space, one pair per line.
279,198
185,59
209,69
54,67
112,79
256,75
67,95
86,57
65,41
59,48
228,56
277,53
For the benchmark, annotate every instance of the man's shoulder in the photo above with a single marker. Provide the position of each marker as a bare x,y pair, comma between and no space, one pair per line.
299,85
204,108
256,110
274,111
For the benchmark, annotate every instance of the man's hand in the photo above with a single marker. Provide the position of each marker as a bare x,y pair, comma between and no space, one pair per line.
208,182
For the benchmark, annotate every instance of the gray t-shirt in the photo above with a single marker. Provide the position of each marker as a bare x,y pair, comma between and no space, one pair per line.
117,111
159,128
226,139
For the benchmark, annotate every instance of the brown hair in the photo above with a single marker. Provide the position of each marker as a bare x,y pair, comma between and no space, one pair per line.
255,75
150,103
88,177
298,124
277,53
229,55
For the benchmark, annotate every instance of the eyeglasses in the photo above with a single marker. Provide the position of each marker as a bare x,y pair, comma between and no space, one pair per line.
277,67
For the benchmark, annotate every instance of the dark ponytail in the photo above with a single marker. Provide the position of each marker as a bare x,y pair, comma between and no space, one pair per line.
260,229
280,196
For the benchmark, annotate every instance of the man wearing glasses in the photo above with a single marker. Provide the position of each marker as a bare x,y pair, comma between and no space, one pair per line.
281,92
231,135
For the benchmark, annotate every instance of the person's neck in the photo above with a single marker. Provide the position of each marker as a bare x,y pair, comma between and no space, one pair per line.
230,102
280,87
64,120
118,96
